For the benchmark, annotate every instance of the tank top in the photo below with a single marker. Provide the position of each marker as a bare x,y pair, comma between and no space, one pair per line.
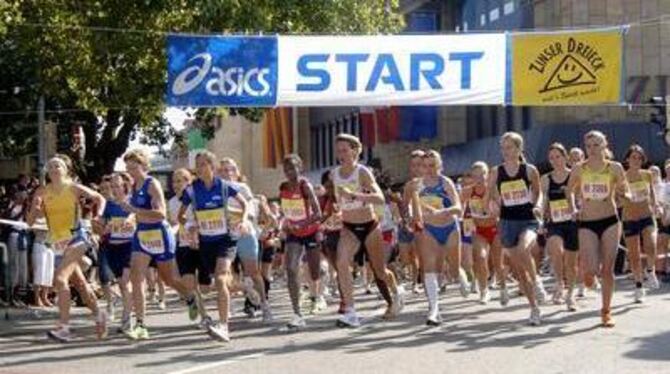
210,205
597,185
352,183
141,198
296,208
435,196
515,194
559,207
61,209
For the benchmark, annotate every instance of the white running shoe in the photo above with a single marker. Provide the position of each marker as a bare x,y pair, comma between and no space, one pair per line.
504,296
321,303
596,284
581,290
205,323
161,305
485,297
219,331
60,334
434,318
652,281
535,317
398,302
296,323
126,325
639,295
570,303
348,319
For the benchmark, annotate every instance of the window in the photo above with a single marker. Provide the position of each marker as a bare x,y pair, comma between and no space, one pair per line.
509,8
482,20
494,14
465,27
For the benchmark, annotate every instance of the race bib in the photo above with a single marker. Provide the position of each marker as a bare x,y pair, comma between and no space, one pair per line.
432,201
468,227
184,237
121,228
152,241
211,222
639,191
347,203
596,186
294,209
514,193
560,211
477,208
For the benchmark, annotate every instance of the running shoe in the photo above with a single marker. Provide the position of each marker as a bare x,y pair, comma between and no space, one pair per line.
192,308
321,303
219,332
652,281
535,317
101,324
484,297
596,284
504,296
313,307
161,304
348,319
464,285
249,309
606,317
296,323
60,334
139,332
398,302
473,287
581,290
126,325
434,318
639,295
151,297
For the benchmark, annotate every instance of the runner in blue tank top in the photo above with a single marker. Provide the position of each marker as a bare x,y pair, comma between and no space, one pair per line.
153,239
208,195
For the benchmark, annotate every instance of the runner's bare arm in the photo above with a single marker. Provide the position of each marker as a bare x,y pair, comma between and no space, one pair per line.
368,182
620,182
456,208
36,207
308,191
536,189
99,201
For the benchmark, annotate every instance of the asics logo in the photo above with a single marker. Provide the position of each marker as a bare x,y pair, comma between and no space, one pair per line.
233,81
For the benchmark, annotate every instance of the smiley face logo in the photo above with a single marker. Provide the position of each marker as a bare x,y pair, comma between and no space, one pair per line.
569,73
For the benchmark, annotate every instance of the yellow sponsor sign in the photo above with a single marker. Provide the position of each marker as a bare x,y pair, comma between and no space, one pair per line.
567,68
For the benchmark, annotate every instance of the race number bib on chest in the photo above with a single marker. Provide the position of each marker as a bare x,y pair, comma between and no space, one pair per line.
294,209
211,222
348,203
596,186
477,208
639,191
432,201
560,211
514,193
151,241
121,228
468,227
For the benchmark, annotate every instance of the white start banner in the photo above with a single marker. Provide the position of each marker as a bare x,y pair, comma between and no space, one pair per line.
391,70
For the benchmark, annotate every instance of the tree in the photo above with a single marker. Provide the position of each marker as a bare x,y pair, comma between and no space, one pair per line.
102,63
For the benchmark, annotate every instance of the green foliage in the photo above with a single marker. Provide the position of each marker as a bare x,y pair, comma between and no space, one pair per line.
102,63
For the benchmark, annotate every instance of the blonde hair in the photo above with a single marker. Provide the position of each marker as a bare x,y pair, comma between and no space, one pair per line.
227,160
417,153
208,156
137,155
182,173
353,141
480,165
431,153
64,163
516,139
602,139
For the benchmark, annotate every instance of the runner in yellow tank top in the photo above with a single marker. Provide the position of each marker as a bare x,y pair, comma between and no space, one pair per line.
59,202
599,181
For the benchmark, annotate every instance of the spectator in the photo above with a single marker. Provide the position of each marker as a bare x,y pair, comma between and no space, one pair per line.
18,246
43,268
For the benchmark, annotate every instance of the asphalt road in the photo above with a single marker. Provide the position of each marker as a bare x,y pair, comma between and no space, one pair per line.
473,339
